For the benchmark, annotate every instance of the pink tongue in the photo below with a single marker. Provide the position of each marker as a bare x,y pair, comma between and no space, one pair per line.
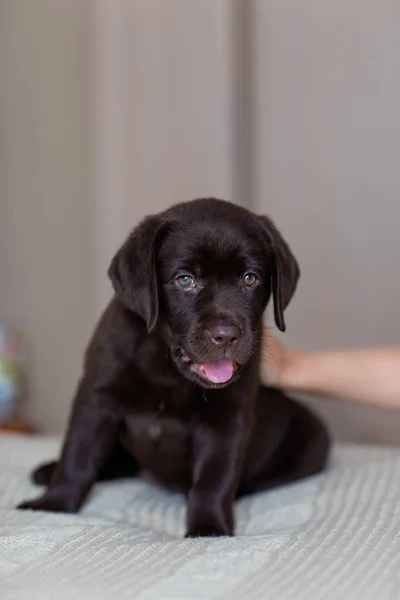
219,371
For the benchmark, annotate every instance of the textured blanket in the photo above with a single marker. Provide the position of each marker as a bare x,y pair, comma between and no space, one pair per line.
333,536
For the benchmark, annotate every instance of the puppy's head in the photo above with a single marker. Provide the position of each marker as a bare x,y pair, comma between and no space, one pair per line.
202,272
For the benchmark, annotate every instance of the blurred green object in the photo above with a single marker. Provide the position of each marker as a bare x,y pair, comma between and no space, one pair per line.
12,371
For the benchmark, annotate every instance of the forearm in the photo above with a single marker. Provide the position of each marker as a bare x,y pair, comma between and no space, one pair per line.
366,376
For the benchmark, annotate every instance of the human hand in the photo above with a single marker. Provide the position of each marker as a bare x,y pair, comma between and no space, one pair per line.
275,357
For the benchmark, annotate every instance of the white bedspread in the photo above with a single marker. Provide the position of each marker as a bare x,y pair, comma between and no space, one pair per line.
333,536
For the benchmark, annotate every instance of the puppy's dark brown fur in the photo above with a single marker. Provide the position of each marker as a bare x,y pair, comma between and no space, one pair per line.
170,385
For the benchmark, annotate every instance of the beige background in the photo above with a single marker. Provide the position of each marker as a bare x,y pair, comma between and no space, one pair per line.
326,167
109,111
46,210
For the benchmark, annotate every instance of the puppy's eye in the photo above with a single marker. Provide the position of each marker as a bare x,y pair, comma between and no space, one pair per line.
250,279
186,281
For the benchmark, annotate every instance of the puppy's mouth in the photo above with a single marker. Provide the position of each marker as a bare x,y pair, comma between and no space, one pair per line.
219,371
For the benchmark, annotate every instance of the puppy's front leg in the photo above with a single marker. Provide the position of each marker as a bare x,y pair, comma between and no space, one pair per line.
89,440
219,449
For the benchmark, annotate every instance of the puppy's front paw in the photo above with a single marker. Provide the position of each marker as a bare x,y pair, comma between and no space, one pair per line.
208,528
208,516
207,532
48,503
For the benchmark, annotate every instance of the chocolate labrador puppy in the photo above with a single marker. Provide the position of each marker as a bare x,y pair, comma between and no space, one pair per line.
171,379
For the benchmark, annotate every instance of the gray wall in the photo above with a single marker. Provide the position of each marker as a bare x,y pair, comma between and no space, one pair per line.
46,194
326,167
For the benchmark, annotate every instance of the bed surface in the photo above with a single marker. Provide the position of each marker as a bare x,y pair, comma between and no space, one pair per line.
333,536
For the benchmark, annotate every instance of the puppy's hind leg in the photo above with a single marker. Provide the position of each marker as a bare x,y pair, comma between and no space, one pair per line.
304,452
42,474
119,465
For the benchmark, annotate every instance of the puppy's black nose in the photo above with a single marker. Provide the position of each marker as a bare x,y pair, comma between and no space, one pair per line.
225,335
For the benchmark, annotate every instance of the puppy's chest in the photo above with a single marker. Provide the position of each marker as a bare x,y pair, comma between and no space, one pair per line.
158,432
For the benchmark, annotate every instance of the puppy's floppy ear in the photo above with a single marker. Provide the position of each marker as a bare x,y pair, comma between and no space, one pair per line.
285,273
133,270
